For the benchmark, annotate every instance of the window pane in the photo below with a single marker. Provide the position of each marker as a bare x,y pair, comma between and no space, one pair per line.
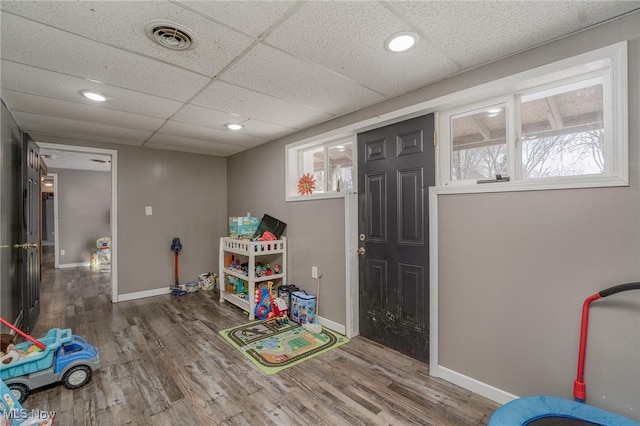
479,147
563,131
340,167
313,162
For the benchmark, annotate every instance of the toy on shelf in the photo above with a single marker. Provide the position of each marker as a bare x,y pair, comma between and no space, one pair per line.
280,311
208,281
263,301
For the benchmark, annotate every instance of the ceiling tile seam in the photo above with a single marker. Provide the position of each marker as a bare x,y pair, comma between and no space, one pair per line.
235,60
47,134
259,139
225,112
143,55
271,96
407,21
329,70
535,46
238,144
80,103
190,150
205,86
83,138
94,81
212,19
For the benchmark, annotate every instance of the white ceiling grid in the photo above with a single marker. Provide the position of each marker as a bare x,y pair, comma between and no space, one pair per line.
278,67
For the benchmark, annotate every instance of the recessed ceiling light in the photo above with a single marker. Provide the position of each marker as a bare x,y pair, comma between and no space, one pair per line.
401,41
233,126
494,110
48,184
94,96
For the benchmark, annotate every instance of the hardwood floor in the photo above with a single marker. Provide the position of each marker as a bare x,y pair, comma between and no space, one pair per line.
164,363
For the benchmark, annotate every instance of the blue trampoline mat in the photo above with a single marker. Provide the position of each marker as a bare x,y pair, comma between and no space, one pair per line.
550,410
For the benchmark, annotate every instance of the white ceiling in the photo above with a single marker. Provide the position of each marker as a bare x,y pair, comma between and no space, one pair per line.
276,66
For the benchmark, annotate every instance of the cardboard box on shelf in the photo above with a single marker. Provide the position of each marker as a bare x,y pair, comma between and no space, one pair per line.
243,227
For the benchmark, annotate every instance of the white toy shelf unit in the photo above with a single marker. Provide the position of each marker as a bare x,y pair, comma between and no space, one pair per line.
238,286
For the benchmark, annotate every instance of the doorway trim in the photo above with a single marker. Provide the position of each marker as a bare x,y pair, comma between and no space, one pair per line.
114,206
56,243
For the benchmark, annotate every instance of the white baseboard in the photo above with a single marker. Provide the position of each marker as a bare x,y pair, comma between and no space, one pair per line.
475,386
143,294
332,325
73,265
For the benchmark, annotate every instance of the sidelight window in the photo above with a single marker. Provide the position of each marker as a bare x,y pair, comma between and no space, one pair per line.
565,126
320,170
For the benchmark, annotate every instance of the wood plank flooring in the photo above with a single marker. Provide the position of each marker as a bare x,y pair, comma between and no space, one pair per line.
164,363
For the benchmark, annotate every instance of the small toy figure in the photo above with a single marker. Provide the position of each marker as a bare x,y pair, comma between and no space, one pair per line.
267,270
277,269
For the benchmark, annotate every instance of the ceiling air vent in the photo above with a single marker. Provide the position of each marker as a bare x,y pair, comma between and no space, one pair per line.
170,35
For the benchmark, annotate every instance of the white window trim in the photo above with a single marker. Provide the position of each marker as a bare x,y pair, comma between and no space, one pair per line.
612,59
292,166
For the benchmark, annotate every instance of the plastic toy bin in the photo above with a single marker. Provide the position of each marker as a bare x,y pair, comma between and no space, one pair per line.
39,361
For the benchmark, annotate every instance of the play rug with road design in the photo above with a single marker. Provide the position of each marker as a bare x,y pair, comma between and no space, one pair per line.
273,347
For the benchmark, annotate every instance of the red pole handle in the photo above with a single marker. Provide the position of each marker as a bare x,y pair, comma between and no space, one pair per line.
36,342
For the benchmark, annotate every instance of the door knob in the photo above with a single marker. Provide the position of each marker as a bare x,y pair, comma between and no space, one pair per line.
362,237
25,246
361,250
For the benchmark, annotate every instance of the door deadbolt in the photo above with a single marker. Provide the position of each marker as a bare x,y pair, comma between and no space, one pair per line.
361,250
362,237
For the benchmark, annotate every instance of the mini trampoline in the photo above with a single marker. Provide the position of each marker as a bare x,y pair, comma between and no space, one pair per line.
552,411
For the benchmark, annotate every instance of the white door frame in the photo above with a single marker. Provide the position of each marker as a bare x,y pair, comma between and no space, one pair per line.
56,243
114,206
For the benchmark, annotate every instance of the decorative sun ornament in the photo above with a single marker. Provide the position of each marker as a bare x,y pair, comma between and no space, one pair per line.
306,184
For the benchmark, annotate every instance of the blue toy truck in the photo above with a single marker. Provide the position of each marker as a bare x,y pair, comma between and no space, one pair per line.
67,358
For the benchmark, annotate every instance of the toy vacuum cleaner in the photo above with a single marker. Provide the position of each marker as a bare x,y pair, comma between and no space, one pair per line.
176,290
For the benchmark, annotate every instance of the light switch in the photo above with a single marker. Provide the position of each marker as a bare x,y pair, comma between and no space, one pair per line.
148,210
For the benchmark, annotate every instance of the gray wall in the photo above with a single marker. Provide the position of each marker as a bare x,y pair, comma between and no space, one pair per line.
10,214
315,229
514,267
84,206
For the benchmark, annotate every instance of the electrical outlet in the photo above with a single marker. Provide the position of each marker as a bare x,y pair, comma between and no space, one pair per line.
148,210
314,272
62,252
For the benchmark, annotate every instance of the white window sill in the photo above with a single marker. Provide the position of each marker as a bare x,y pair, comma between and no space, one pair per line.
311,197
532,185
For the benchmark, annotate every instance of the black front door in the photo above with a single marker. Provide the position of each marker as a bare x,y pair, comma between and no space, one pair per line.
396,165
31,232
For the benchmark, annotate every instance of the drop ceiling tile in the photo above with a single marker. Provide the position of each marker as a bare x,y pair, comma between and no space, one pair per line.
197,146
227,136
277,74
59,159
247,16
334,35
200,116
598,11
249,103
17,101
27,79
78,129
41,46
217,45
481,32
